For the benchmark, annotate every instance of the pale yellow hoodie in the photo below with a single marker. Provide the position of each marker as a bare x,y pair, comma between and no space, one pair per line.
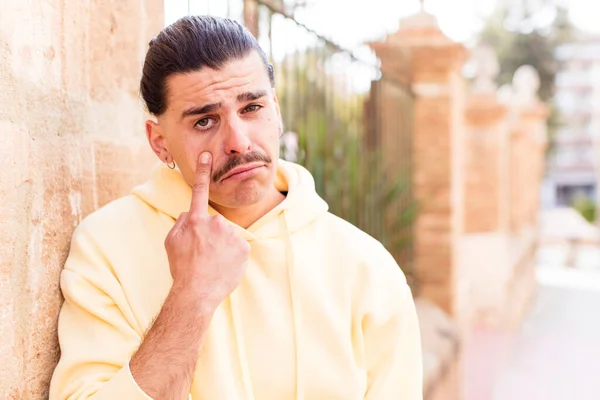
323,313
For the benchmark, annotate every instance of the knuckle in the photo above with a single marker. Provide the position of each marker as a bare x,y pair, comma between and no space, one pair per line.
219,221
194,219
200,187
244,246
169,240
246,251
231,230
203,169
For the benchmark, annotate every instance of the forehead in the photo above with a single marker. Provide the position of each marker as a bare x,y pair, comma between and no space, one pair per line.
211,86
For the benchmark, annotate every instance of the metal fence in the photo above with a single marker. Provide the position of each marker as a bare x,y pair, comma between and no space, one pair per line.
345,121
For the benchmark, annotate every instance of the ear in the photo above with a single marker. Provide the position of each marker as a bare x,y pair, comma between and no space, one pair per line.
157,141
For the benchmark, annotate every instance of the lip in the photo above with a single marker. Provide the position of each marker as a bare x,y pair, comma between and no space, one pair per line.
243,171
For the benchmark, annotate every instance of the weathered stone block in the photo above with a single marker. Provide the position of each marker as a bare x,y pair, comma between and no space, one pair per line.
55,104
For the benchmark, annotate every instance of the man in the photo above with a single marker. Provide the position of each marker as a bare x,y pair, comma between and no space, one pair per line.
224,276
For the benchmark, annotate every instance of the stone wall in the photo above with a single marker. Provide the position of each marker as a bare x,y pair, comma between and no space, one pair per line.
72,140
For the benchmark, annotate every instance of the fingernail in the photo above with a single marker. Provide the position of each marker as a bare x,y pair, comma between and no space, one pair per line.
204,158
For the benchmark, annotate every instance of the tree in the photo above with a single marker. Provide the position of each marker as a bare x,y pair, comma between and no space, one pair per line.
519,39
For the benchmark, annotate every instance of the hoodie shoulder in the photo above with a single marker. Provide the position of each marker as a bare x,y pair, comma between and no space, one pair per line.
362,249
116,216
351,236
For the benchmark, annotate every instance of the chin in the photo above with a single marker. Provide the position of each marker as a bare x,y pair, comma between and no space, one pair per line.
246,193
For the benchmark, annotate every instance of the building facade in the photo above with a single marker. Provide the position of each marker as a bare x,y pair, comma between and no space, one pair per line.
573,163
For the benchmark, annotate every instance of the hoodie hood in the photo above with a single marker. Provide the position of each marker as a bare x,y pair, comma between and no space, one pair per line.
168,192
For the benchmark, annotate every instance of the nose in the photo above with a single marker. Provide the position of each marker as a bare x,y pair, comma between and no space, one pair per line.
236,140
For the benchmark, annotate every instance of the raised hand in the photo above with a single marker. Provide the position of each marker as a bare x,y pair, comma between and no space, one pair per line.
204,251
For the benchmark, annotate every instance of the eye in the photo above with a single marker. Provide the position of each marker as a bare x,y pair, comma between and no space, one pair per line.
252,108
204,123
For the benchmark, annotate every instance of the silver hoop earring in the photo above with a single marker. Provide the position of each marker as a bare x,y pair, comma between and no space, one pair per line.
171,166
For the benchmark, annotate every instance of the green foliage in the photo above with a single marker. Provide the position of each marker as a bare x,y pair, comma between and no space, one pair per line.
526,44
586,207
353,182
330,123
520,42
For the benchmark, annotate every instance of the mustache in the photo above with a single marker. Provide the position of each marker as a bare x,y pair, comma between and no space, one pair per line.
236,161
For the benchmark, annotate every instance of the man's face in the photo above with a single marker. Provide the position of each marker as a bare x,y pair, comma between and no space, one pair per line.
233,114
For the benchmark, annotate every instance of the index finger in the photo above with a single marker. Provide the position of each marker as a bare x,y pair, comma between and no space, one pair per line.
199,205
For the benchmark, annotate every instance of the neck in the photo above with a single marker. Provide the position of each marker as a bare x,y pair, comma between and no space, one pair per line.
246,216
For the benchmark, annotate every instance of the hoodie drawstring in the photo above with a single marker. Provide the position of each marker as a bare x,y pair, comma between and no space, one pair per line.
296,305
241,348
296,316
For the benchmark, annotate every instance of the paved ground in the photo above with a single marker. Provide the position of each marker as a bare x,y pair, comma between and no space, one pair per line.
556,353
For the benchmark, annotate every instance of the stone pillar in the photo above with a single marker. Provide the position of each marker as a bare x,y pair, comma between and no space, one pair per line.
487,177
528,146
486,160
251,16
434,74
533,120
519,162
72,140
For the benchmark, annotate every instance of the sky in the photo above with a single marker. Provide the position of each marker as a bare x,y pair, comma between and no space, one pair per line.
351,22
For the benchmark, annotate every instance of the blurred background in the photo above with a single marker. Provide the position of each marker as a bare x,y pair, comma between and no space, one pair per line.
462,134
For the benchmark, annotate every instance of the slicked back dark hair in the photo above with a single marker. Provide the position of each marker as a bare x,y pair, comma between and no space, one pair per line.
189,44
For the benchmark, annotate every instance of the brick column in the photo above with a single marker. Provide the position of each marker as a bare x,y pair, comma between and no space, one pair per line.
434,74
487,179
528,142
530,139
486,164
527,153
72,140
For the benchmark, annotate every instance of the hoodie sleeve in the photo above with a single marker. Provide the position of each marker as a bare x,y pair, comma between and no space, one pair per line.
391,334
95,330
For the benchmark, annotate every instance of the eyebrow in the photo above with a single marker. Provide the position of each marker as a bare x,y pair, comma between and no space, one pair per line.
251,96
208,108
